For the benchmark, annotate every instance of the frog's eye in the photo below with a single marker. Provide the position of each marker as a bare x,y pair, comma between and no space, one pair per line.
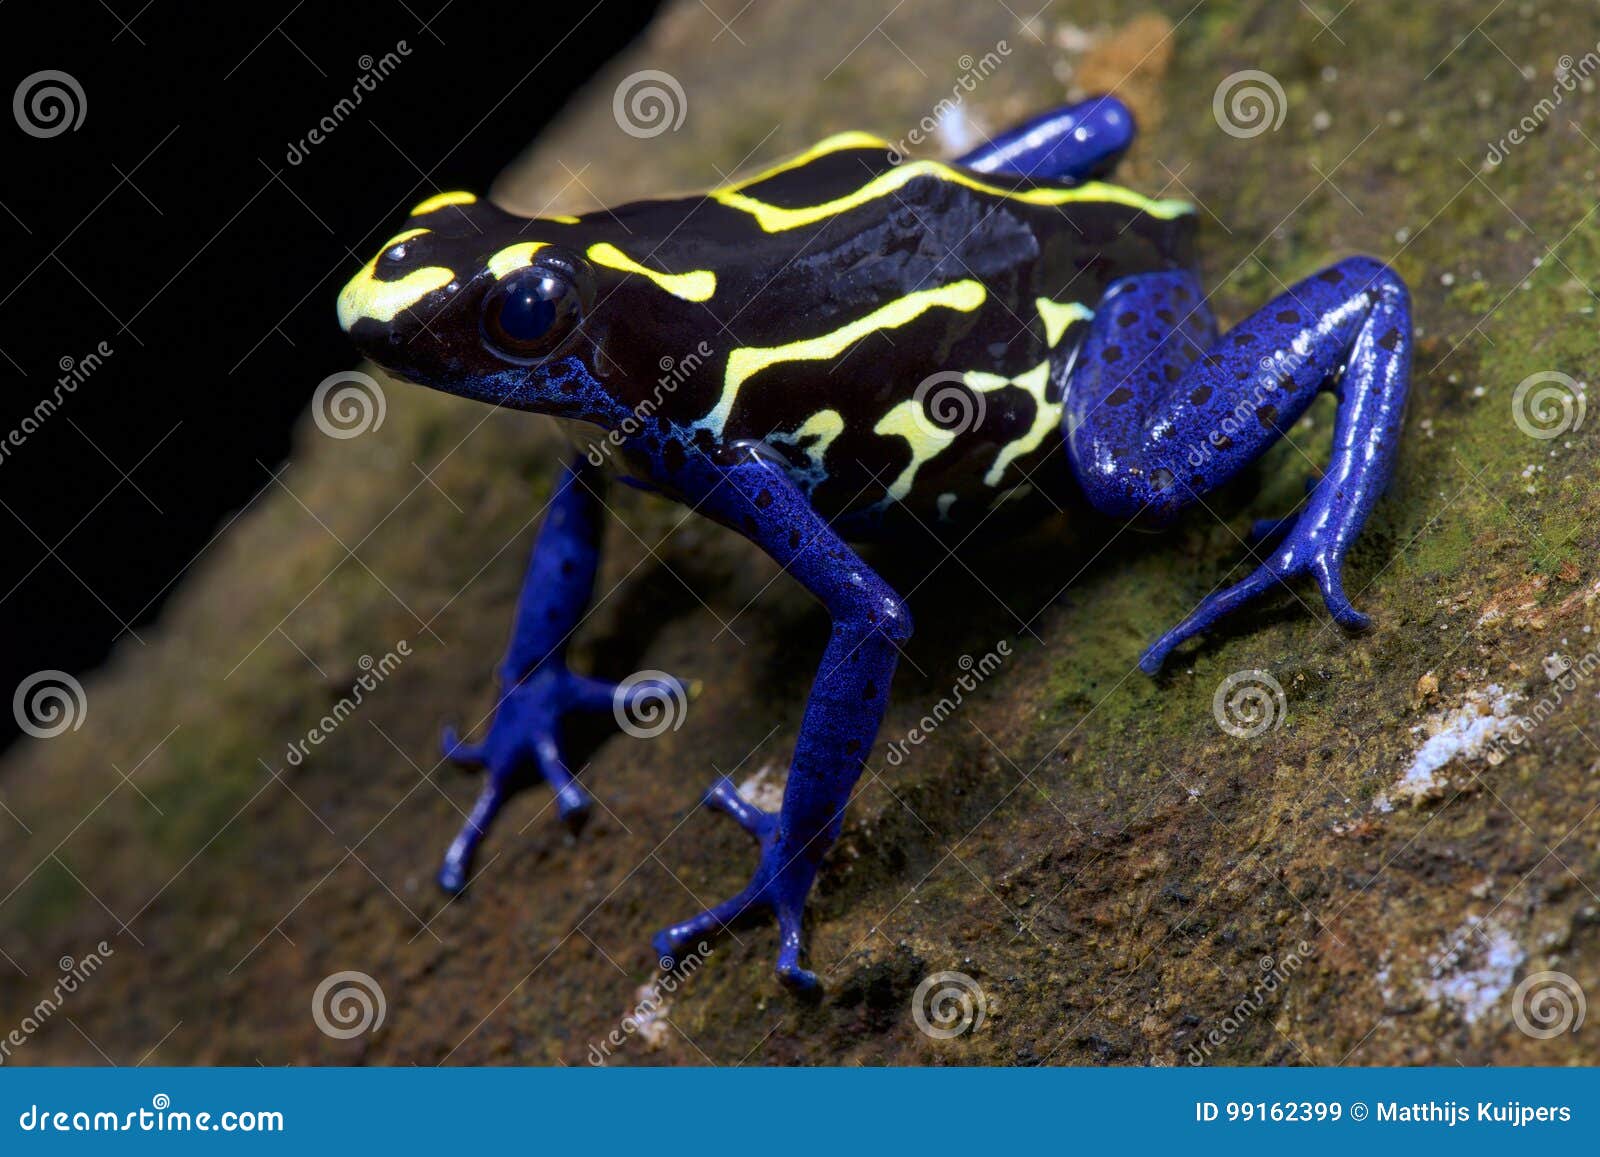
529,313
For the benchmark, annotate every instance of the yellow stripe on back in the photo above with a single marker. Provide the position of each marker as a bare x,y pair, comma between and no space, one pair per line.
776,219
746,361
441,200
697,285
837,143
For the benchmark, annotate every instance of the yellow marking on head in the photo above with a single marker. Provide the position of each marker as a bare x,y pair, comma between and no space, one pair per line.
513,257
1046,415
441,200
926,440
698,285
834,144
746,361
561,219
366,296
775,218
1057,317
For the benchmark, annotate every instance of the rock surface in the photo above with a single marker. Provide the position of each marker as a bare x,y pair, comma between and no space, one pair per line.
1122,879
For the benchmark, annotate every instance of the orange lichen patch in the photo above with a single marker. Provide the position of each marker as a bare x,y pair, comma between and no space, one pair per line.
1132,62
1518,603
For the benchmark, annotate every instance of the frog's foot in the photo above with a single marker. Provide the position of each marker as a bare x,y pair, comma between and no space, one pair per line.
780,885
1297,556
524,743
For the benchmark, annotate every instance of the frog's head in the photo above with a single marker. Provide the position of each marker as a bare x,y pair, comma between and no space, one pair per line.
464,300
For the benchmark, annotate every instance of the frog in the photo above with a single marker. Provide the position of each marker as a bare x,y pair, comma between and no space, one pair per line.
870,348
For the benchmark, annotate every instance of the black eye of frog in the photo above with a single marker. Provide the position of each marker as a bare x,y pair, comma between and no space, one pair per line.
530,312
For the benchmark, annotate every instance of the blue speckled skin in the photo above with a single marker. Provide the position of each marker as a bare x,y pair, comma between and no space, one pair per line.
1156,409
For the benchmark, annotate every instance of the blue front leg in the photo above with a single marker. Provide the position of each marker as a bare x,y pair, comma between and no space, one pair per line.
1157,413
847,702
537,689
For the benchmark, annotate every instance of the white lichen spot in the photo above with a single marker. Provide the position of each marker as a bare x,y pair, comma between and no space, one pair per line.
649,1014
1477,968
764,789
1462,732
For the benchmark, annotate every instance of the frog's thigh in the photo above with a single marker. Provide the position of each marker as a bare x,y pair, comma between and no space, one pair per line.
1146,436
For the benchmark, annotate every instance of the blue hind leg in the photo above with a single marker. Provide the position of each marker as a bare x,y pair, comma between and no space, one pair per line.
1151,422
1076,142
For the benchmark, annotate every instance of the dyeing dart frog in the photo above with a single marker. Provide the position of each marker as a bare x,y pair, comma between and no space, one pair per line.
869,347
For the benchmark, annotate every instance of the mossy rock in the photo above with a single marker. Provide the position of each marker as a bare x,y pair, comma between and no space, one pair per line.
1124,880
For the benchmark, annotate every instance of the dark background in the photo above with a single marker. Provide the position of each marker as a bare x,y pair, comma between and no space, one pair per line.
171,226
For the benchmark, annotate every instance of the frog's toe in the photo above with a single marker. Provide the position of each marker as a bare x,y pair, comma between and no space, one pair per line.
724,797
1329,573
1292,559
675,942
791,950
